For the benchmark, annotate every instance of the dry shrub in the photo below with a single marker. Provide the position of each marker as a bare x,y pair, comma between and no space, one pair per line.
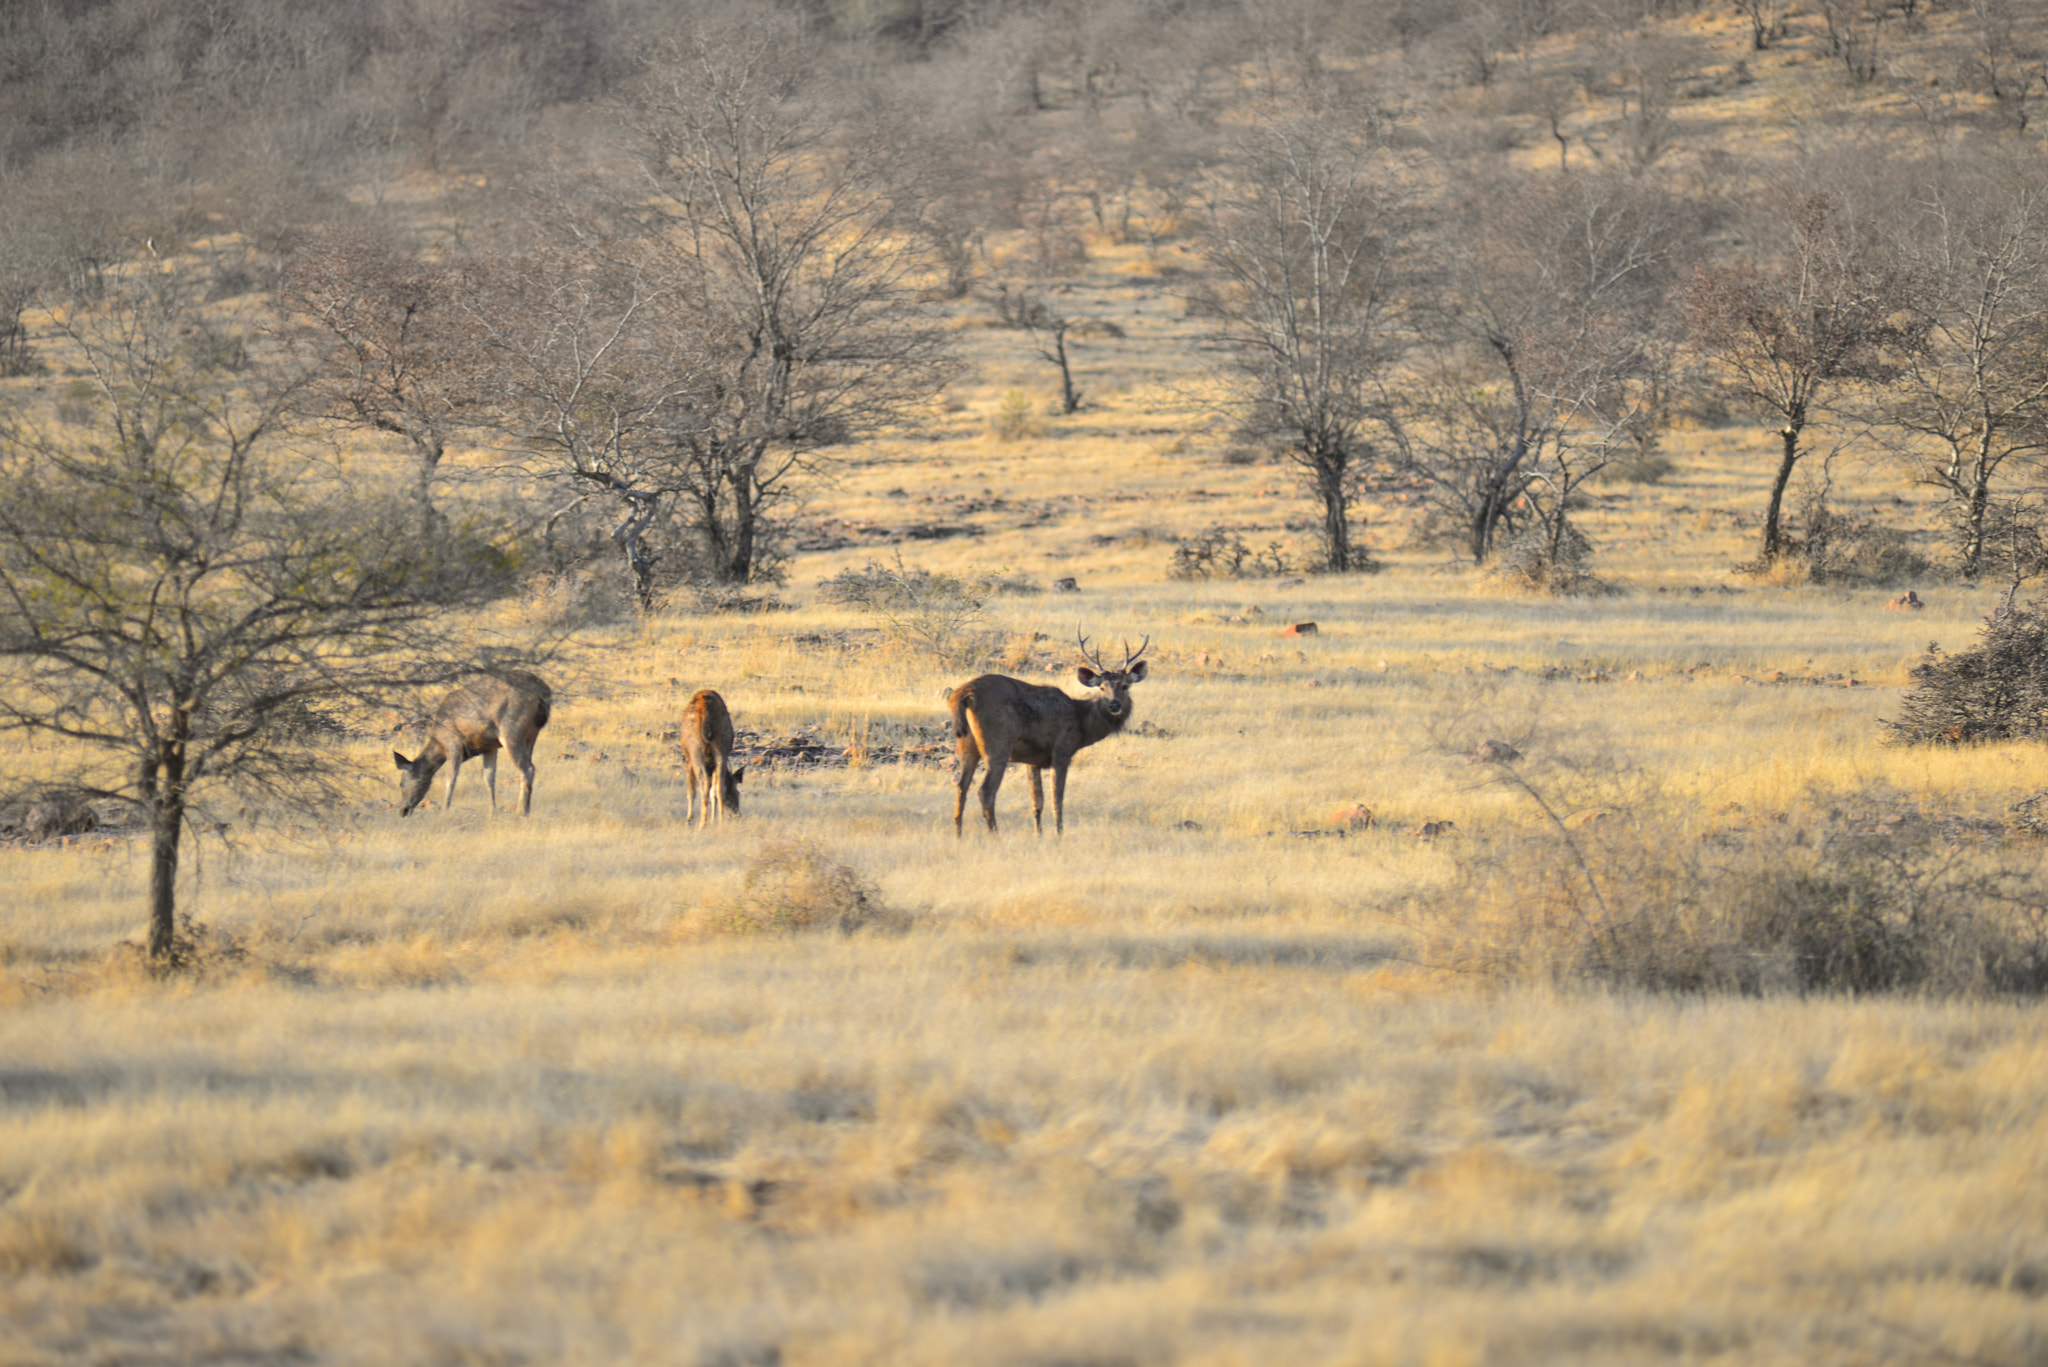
1868,894
792,885
1836,549
1016,419
1999,691
1545,559
1220,553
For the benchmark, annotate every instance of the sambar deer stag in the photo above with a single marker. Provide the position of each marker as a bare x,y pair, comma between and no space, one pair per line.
490,713
706,737
998,719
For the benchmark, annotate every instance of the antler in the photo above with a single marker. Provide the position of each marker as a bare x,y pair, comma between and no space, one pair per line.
1088,654
1129,658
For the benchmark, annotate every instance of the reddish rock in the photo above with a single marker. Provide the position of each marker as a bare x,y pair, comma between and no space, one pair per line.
1908,601
1300,629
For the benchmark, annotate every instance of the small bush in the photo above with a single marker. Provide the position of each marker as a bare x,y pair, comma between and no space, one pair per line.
1220,553
1867,895
1646,469
1016,418
1999,691
926,610
1534,561
792,885
1845,550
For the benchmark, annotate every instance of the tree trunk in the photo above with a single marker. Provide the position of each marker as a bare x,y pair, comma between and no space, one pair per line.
431,523
1329,471
163,779
1070,398
739,563
1774,540
1973,530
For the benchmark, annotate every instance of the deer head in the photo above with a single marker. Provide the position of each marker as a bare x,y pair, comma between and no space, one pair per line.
1114,684
415,776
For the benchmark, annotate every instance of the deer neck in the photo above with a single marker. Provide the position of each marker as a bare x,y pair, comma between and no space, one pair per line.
1096,722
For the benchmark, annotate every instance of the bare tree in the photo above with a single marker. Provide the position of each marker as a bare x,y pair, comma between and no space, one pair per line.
593,371
2008,61
1766,21
1974,401
1536,353
400,359
1823,313
1308,231
1050,326
180,588
790,221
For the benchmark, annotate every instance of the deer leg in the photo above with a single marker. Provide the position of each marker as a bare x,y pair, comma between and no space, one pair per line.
1059,799
991,785
715,789
1038,801
491,777
969,756
690,802
454,768
523,760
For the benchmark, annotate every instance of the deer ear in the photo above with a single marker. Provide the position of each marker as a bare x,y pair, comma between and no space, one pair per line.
1137,671
403,762
1088,677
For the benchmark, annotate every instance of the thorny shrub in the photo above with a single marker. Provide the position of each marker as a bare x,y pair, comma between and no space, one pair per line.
927,610
1998,691
1868,894
1220,553
1543,559
792,885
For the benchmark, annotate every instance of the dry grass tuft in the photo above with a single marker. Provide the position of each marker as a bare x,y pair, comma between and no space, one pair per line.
793,885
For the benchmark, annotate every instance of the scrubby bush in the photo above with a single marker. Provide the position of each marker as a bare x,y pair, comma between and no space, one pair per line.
1868,896
1545,559
1844,550
792,885
1016,418
1221,553
927,610
1998,691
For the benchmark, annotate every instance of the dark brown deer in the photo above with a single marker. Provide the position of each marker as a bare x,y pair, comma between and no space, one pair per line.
1000,719
490,713
706,735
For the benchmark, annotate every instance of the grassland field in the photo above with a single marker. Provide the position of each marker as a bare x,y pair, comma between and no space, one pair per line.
1184,1086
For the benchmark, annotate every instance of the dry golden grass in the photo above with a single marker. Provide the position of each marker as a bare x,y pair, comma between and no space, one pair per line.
1182,1087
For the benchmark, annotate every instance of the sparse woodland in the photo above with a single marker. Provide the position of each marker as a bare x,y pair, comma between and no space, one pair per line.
1572,885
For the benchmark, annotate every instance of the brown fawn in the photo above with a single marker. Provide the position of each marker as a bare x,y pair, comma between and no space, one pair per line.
1000,719
490,713
706,736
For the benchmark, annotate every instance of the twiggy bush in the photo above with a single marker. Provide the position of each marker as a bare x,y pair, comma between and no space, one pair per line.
1220,553
1999,691
1870,896
1845,550
1556,560
922,609
792,885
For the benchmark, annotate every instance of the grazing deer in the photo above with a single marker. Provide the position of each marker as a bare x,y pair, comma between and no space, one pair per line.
1000,719
706,735
490,713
